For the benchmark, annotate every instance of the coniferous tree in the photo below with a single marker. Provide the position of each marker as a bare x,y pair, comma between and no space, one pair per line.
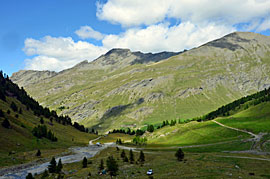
59,166
112,166
141,157
38,154
123,154
131,156
101,165
2,95
125,159
6,124
179,154
84,163
1,113
52,166
41,120
13,106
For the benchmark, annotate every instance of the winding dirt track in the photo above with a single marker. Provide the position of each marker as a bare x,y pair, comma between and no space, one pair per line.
240,130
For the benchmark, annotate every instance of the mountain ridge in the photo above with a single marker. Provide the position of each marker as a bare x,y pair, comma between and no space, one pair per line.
183,86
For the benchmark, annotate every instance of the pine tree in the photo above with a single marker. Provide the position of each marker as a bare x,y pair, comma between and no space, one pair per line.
52,166
131,156
84,163
112,166
141,158
1,113
101,166
29,176
41,120
6,124
59,166
38,154
179,154
123,154
125,159
14,106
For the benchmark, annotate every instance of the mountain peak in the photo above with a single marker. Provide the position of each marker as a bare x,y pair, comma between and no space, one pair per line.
118,51
235,40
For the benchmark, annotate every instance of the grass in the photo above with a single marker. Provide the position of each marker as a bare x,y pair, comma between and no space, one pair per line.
255,119
189,70
113,137
20,141
165,165
194,133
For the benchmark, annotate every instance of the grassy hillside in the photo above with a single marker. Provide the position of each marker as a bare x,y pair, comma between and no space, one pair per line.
184,86
19,145
255,119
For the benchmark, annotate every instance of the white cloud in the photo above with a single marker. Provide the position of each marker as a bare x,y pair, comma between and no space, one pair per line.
135,12
265,25
161,37
138,12
199,21
59,53
86,32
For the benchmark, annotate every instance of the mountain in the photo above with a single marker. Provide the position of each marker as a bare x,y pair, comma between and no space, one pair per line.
27,77
124,89
21,118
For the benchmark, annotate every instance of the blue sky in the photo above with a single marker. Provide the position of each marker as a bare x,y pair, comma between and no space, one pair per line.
57,34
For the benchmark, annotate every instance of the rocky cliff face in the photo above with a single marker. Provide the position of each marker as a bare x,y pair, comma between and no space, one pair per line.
130,89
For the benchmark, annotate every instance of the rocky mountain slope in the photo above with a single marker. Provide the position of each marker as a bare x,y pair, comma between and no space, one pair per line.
131,89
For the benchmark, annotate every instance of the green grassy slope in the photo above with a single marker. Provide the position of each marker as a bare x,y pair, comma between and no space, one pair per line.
255,119
184,86
18,144
20,141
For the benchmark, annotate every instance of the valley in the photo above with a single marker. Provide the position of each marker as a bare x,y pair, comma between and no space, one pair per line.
212,101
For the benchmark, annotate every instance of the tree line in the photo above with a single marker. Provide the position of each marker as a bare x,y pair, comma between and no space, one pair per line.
8,88
254,99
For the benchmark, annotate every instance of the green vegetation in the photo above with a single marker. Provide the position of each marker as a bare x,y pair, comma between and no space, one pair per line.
179,154
53,166
112,166
17,132
165,165
84,162
184,86
255,119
